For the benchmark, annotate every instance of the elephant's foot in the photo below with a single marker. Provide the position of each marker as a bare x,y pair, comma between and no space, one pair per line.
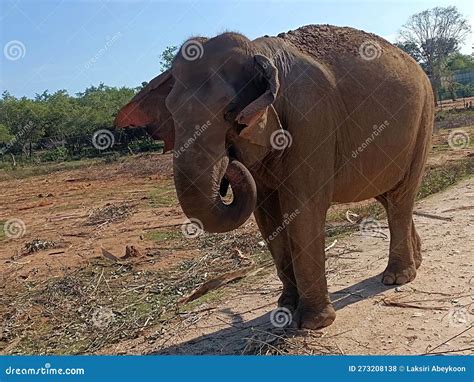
306,317
416,244
399,273
418,259
288,299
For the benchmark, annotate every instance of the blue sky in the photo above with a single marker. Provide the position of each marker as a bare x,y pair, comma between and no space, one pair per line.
70,44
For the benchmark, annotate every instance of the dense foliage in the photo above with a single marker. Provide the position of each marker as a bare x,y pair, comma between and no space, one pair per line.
61,126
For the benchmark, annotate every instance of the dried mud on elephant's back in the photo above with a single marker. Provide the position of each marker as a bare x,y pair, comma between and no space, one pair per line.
328,43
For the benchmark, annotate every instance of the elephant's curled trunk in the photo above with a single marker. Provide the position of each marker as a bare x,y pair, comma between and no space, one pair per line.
201,199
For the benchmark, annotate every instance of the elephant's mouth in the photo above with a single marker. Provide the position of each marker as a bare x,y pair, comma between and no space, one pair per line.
224,187
210,200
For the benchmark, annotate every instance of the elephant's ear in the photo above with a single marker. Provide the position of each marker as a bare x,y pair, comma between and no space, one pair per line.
147,109
260,117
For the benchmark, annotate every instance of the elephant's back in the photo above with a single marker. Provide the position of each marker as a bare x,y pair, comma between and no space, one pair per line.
343,47
329,43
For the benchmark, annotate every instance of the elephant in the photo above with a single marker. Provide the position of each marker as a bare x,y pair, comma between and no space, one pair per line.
293,123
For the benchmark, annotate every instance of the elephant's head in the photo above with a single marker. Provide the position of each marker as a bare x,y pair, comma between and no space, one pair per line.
199,107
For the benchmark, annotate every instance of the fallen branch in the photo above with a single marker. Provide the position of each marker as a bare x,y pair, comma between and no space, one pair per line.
109,256
459,209
431,216
449,339
450,351
216,283
400,304
330,245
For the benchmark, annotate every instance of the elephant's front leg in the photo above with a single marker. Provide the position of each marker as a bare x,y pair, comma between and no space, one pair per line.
274,230
306,232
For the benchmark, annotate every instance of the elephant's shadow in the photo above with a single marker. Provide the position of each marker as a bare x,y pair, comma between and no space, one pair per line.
233,340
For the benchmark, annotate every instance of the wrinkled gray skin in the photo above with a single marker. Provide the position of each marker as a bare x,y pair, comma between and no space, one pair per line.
224,108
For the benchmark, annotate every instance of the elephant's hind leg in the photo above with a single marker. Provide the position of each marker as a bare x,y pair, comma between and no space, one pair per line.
405,245
271,224
415,238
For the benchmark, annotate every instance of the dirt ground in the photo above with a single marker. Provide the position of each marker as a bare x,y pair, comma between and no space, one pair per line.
434,308
62,266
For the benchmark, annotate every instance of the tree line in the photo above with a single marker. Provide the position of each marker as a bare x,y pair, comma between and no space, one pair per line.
60,125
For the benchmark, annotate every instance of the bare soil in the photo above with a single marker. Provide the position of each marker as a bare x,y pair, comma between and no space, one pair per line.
435,312
70,286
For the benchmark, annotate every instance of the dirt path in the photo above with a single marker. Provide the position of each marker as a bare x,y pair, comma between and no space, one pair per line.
437,306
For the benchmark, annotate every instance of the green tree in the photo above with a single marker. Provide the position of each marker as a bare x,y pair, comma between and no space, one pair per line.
166,58
459,61
5,135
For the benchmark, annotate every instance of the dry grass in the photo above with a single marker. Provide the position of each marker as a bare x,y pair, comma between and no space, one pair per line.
107,302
